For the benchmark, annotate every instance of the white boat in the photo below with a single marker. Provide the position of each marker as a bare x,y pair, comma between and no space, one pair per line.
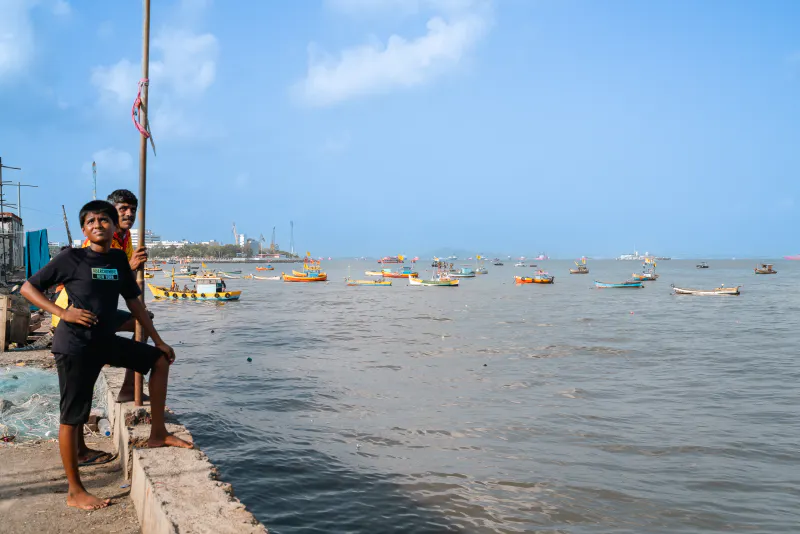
719,291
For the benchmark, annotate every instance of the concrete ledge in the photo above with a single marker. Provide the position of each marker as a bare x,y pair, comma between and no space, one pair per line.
173,490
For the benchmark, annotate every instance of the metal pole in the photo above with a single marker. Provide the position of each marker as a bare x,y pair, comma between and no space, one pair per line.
2,209
139,380
19,187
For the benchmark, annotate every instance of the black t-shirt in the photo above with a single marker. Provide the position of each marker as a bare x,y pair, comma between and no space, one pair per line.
94,282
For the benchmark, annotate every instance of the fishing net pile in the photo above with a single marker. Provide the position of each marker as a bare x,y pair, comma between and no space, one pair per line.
28,404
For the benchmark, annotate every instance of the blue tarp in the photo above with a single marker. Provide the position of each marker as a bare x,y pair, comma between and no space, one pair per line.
37,252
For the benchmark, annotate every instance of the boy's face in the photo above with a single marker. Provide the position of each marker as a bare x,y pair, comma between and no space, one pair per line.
98,228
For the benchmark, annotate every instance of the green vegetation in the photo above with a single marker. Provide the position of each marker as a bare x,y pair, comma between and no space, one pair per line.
206,251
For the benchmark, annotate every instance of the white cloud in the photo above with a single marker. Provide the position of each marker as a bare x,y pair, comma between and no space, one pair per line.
182,68
16,37
401,62
109,161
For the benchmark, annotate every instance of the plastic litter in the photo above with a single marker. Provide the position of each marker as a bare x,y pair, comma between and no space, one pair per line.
104,427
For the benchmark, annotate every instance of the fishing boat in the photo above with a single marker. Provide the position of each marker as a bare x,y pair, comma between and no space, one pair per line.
479,268
381,283
154,267
635,284
765,268
497,262
231,272
540,277
149,275
267,268
312,272
187,270
266,277
581,267
440,278
227,276
391,259
796,257
373,273
702,265
350,282
719,291
208,288
463,272
407,272
648,273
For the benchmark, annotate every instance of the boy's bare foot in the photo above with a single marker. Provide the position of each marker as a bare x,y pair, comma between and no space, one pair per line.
86,501
126,395
169,441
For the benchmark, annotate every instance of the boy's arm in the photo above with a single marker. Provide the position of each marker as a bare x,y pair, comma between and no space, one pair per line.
70,315
140,314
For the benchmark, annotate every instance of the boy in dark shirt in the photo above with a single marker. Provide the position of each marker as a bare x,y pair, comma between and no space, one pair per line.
85,338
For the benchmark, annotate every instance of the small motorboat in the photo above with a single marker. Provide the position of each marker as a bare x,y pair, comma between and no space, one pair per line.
407,272
540,277
373,273
231,272
497,262
765,268
702,265
635,284
464,272
719,291
266,277
369,283
317,277
267,268
481,270
440,278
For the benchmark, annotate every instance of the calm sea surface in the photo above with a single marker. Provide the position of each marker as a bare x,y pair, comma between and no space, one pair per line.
500,408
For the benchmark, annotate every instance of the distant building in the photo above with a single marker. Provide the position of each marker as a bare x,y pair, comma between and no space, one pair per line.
242,240
12,236
77,243
150,238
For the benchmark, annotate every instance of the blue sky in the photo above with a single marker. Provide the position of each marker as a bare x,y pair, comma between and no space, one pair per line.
401,126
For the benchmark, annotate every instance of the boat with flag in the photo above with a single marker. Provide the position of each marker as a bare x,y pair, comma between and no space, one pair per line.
582,268
648,273
405,272
439,278
479,266
312,272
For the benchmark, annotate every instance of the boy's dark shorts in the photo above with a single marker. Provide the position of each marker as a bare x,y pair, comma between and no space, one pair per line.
77,374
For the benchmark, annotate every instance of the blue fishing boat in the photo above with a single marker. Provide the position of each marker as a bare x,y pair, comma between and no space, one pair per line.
464,272
637,284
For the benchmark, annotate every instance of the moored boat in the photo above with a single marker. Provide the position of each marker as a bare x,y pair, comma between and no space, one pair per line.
373,273
464,272
581,267
439,278
765,268
392,259
407,272
648,273
381,283
208,288
719,291
702,265
540,277
635,284
796,257
312,272
266,277
267,268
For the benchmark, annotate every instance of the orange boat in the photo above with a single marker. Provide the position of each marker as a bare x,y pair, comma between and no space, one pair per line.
540,277
267,268
405,273
321,277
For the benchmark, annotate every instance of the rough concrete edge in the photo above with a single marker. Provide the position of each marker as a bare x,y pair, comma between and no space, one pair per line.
151,507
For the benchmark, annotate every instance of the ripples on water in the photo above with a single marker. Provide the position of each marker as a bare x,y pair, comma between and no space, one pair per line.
501,408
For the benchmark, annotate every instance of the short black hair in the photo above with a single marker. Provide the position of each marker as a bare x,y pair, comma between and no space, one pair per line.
99,206
123,196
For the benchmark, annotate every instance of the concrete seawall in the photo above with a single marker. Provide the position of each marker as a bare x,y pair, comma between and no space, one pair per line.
173,490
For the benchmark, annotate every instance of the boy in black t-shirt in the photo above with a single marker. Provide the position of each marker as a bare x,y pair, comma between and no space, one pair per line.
85,338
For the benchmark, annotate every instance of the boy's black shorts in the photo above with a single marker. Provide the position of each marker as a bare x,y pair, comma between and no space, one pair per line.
77,374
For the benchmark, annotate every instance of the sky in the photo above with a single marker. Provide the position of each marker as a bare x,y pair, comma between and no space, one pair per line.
409,126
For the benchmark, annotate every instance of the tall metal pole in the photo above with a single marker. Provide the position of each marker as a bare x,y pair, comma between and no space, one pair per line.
139,380
19,196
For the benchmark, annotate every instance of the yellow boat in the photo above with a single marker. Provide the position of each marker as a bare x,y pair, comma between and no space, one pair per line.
312,272
210,288
368,282
149,275
321,277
